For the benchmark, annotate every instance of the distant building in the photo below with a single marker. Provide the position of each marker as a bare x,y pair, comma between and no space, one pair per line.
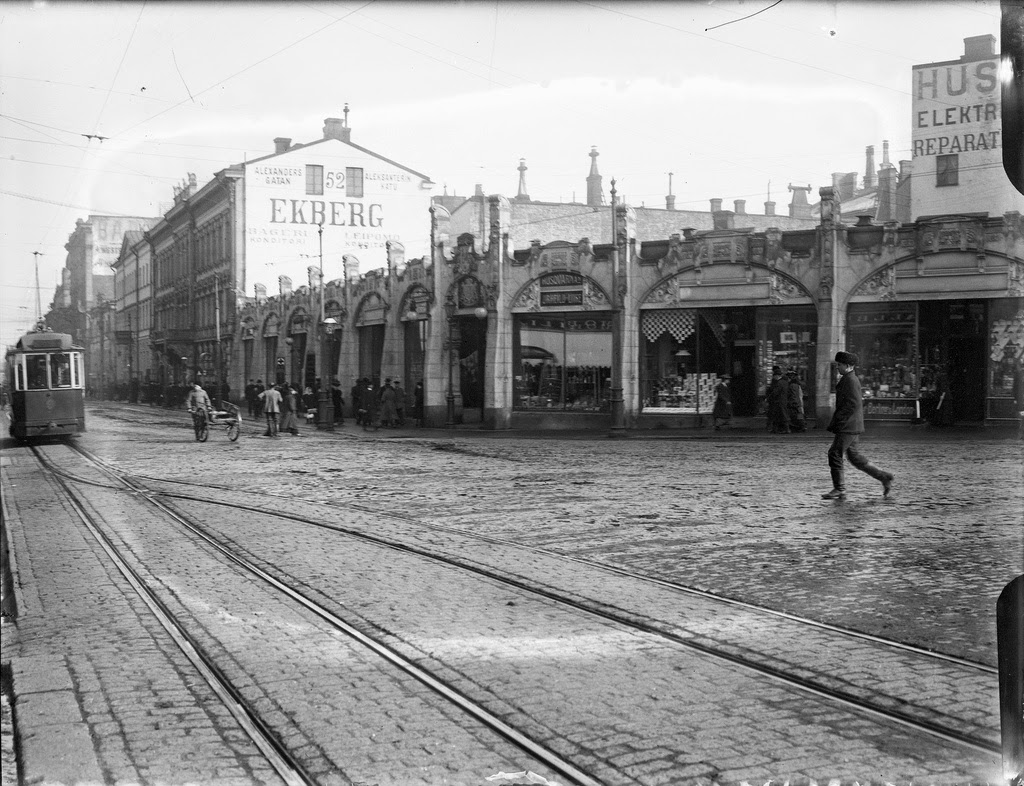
533,221
86,291
883,194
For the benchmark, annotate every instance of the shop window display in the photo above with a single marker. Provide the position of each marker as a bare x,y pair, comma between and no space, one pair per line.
787,338
884,336
687,350
563,361
1006,359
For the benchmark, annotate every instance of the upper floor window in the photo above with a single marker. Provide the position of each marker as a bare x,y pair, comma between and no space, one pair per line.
314,179
353,181
947,170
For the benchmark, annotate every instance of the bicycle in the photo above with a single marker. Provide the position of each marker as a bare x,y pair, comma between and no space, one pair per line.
228,417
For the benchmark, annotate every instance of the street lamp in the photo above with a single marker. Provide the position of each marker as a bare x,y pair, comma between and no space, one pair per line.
449,312
325,407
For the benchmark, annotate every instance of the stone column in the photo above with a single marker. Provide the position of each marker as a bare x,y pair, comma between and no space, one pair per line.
498,388
831,307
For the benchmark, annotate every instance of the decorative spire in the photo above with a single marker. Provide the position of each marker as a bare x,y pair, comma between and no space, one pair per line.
595,195
522,196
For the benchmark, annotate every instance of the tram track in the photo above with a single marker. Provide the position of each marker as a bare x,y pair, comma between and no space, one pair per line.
891,708
286,762
632,575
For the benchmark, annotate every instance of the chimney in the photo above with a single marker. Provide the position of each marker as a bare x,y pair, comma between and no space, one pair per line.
716,205
869,167
798,206
670,202
844,184
769,208
281,144
885,153
979,47
479,190
886,194
336,128
906,167
724,219
595,194
740,206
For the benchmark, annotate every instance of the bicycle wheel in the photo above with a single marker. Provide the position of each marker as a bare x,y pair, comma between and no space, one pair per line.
233,431
203,433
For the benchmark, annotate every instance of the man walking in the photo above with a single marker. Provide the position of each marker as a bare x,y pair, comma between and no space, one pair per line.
847,425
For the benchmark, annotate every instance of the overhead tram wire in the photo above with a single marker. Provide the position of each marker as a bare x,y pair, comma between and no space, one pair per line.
239,73
800,63
117,71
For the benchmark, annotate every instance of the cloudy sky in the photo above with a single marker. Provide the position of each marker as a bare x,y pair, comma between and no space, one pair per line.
731,97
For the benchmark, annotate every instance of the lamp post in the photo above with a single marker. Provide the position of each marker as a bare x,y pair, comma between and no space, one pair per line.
449,312
325,405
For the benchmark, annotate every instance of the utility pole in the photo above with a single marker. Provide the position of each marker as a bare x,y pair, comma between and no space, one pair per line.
39,307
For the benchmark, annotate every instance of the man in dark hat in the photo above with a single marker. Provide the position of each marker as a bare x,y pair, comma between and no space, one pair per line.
847,425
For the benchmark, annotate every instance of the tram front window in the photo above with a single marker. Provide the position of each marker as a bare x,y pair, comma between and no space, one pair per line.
36,368
60,370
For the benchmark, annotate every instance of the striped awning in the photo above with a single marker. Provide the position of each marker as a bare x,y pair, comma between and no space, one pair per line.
678,322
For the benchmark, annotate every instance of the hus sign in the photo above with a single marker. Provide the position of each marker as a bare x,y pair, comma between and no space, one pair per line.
956,108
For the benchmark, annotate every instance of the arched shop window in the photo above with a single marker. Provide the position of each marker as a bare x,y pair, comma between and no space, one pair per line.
563,361
686,350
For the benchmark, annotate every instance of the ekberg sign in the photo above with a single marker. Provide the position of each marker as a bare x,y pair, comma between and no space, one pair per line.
361,200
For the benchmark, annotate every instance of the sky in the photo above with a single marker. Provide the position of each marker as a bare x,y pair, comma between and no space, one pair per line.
106,107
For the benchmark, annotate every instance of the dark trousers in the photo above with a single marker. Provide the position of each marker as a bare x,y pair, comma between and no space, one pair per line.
846,445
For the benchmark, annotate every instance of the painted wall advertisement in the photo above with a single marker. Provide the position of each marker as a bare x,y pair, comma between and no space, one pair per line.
956,108
107,235
360,200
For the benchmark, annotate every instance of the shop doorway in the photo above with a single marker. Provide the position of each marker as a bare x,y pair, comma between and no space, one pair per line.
953,343
472,365
371,352
744,380
966,342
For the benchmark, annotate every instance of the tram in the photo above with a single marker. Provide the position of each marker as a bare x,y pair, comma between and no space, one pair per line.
46,382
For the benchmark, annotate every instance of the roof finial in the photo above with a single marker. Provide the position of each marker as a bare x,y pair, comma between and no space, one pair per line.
522,195
346,114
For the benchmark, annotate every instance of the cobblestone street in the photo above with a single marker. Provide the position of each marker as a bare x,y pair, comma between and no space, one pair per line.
737,514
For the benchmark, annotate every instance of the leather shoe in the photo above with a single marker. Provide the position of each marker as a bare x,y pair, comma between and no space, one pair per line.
834,494
887,479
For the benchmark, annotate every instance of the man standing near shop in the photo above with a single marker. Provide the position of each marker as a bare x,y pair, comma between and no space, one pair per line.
847,425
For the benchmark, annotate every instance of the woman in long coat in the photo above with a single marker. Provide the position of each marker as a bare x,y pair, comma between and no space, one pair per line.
288,421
